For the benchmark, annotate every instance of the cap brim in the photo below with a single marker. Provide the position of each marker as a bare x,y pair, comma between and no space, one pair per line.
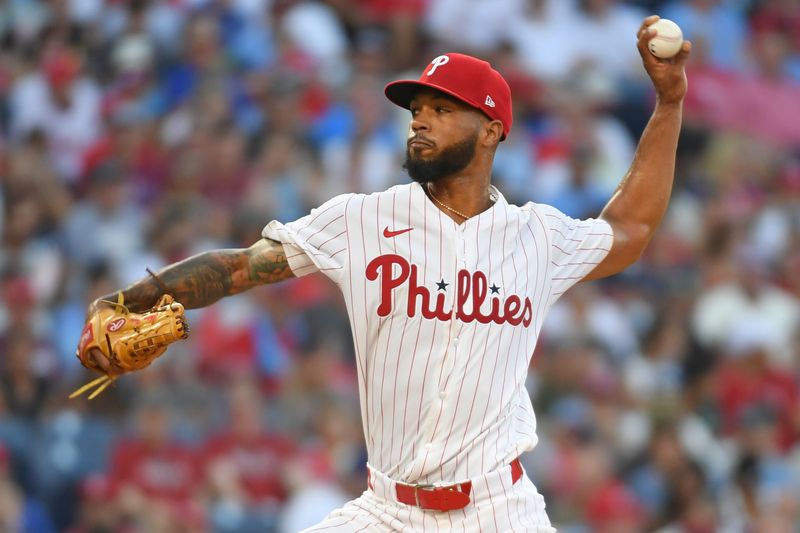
401,92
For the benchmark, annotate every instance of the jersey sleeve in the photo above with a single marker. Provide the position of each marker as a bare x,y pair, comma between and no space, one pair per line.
576,247
318,241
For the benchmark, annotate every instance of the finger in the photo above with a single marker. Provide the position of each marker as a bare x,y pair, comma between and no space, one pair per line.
645,32
99,361
643,44
647,22
683,55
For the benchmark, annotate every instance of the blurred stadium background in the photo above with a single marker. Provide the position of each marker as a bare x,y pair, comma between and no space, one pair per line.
134,133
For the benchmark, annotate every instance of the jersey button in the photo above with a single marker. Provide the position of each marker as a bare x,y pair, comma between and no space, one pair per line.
442,394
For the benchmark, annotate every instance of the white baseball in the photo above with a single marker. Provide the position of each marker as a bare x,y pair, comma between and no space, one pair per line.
668,39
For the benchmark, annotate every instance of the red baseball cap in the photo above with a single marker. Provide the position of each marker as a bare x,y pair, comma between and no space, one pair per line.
467,78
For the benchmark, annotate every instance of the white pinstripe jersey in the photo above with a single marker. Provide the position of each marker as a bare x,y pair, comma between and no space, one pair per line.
445,318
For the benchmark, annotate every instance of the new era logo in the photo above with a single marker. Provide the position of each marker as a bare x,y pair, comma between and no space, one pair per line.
489,101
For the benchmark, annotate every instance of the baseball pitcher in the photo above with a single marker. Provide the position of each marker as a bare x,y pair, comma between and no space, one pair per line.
446,286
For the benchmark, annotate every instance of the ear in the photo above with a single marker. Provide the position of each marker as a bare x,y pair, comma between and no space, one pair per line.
492,133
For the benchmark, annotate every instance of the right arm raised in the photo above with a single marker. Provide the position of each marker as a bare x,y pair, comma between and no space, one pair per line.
202,279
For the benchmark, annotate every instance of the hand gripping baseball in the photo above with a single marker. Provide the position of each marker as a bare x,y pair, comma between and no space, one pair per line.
130,341
667,74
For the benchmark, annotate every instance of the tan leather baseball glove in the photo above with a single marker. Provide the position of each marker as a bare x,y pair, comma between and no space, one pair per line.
130,341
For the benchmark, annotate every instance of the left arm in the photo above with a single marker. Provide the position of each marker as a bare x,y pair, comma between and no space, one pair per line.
639,203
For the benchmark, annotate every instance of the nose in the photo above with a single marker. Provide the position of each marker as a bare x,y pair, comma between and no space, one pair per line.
419,121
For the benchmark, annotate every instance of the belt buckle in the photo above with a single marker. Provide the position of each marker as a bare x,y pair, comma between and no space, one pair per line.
421,486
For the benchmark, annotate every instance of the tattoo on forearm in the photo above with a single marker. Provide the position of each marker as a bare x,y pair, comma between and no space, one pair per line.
268,264
203,279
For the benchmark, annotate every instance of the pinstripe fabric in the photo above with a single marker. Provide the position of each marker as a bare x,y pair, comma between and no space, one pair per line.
445,318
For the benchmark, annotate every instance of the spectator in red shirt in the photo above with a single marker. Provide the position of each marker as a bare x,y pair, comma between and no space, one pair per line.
244,466
747,380
151,462
614,509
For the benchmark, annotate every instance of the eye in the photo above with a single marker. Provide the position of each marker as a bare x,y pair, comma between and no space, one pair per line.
442,109
414,111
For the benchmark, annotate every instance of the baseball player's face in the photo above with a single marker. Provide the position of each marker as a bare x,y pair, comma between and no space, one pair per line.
442,137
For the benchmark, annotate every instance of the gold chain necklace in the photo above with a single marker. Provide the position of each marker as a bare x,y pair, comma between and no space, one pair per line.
441,203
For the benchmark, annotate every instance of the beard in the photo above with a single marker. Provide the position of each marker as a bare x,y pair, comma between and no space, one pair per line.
451,160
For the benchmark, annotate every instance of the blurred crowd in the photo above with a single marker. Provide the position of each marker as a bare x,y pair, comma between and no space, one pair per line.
134,133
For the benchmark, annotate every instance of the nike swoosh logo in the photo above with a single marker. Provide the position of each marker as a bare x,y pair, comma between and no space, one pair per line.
389,233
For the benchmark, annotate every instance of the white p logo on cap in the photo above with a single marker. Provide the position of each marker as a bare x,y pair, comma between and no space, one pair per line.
437,62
